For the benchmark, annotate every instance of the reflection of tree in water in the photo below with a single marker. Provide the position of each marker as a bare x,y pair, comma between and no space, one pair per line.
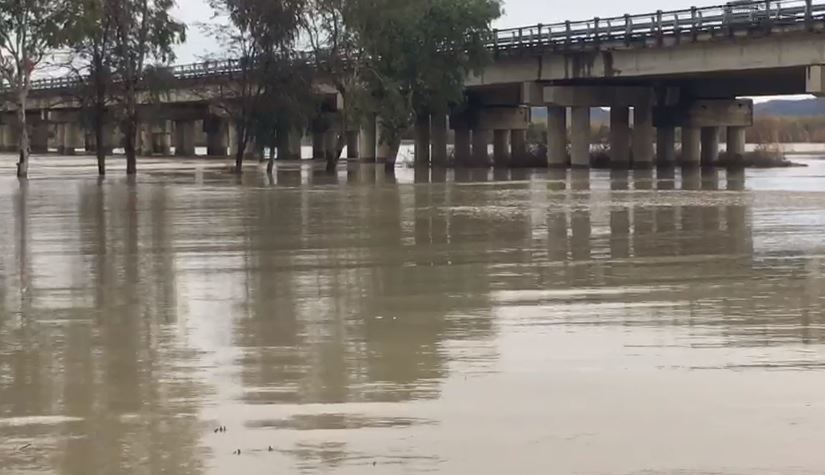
93,345
335,309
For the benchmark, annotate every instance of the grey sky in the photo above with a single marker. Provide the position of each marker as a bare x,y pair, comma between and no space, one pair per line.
516,13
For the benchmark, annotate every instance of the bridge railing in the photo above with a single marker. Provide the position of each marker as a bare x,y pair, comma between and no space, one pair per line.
660,24
727,18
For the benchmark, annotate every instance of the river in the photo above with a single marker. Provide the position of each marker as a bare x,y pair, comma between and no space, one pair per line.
468,322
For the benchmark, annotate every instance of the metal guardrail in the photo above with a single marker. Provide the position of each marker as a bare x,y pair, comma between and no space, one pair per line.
720,19
659,25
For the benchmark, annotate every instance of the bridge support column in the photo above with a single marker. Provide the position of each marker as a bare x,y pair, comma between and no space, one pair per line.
735,143
383,150
352,144
185,138
481,141
438,131
643,133
580,137
422,141
556,136
368,143
620,137
216,137
5,138
691,146
501,147
319,148
331,143
40,137
665,146
72,138
289,144
161,138
461,149
518,147
144,139
710,145
90,141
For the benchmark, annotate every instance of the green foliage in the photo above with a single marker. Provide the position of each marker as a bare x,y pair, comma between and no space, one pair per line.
419,54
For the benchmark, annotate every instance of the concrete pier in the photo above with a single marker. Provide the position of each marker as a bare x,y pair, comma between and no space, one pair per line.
665,146
710,145
70,138
518,146
185,138
319,146
438,136
643,134
556,136
735,142
691,146
162,138
422,141
501,148
39,138
481,141
382,147
352,144
368,143
216,137
462,150
620,136
580,137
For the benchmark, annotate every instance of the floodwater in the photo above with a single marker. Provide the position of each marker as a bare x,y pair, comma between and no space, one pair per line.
481,322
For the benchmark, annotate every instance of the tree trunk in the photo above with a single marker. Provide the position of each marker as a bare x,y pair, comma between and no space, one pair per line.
100,117
334,155
130,135
240,146
23,143
394,145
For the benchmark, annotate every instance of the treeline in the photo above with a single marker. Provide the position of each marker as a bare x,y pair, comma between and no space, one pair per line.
768,130
398,59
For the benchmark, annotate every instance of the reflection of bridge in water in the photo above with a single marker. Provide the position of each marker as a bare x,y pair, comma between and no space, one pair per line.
351,289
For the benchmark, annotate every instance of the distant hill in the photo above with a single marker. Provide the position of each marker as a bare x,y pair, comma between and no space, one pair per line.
791,108
775,108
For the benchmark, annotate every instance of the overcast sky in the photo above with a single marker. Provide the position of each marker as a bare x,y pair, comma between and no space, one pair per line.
516,13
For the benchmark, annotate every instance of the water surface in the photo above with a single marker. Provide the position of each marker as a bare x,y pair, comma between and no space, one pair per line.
478,321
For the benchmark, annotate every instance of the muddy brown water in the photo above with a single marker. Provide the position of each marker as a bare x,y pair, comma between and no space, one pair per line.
478,322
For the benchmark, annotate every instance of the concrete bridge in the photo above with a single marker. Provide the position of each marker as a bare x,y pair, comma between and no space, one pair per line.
659,73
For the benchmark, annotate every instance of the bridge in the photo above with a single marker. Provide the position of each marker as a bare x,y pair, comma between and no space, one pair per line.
664,75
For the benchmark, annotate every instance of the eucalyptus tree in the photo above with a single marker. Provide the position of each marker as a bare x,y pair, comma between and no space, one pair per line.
91,39
267,77
143,31
29,31
419,53
339,58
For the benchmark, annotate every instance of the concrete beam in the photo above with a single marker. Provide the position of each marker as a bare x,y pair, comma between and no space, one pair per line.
598,96
815,80
706,113
492,118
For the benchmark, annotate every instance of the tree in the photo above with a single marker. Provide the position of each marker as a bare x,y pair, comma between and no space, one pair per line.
267,71
142,31
92,40
29,30
419,53
339,57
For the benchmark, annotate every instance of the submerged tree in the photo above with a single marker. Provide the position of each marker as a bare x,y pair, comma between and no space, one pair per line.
419,53
268,76
29,30
92,41
142,31
339,58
